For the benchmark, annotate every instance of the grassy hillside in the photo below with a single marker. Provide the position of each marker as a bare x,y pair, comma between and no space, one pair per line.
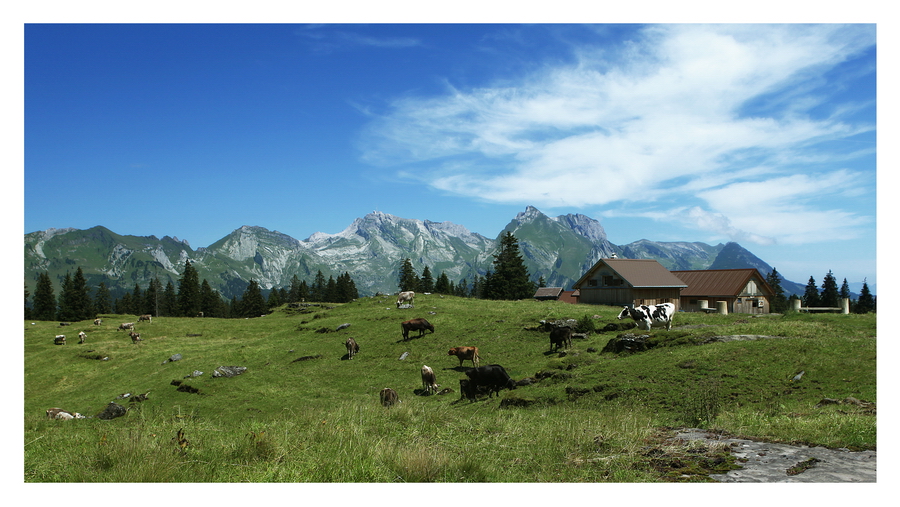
588,416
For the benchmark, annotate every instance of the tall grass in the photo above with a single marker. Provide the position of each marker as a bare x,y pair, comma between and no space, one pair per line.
588,418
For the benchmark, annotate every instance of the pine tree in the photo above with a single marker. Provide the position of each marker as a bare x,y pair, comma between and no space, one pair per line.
44,303
845,290
66,310
408,280
210,302
294,294
779,302
426,282
274,301
510,277
189,291
252,302
137,300
81,297
101,300
443,285
462,288
169,304
151,298
811,295
317,291
330,291
346,289
542,282
829,296
865,303
27,295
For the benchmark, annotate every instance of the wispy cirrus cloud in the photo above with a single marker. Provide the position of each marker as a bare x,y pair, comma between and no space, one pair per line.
682,120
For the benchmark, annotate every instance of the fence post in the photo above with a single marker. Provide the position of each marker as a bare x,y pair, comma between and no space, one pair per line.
722,307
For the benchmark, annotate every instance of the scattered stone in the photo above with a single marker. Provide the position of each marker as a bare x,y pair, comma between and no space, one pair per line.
123,396
173,358
195,373
404,356
525,382
112,411
343,326
627,342
228,371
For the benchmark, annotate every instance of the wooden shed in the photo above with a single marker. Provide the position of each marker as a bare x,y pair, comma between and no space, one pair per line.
626,282
743,290
548,293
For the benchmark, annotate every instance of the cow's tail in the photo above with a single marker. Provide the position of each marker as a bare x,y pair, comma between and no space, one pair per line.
476,359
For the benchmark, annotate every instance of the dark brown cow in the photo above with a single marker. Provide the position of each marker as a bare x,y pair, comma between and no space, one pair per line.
419,325
389,397
352,347
428,380
560,336
465,354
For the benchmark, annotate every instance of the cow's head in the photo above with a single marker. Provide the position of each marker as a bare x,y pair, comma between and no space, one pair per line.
624,313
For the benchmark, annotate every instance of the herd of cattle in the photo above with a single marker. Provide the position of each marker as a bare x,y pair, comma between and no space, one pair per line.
488,379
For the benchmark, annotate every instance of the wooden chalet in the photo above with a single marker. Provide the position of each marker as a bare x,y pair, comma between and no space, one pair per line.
744,290
626,282
548,293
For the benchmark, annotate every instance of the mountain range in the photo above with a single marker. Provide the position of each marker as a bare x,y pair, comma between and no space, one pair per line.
559,249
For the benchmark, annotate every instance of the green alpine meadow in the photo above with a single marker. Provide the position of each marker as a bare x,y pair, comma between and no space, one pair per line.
300,411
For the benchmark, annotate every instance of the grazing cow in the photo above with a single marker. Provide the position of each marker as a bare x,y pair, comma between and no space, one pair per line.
199,314
559,337
650,316
419,325
58,413
125,326
465,354
135,337
404,297
493,377
428,380
98,321
59,340
82,336
147,317
352,347
389,397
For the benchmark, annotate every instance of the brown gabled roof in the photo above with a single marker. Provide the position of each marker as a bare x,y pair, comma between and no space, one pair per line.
720,282
639,273
548,292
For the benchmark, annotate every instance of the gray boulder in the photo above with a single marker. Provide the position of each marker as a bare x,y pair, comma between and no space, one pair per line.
112,411
229,371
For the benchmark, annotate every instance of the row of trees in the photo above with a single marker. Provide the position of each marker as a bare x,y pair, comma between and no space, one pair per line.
192,297
509,278
829,296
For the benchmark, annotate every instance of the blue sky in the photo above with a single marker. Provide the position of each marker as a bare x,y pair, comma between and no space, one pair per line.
760,134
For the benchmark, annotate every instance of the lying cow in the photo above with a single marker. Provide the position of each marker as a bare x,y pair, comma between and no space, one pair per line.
492,377
125,326
58,413
135,337
60,339
560,337
147,317
389,397
428,380
419,325
352,347
650,316
465,354
405,297
82,336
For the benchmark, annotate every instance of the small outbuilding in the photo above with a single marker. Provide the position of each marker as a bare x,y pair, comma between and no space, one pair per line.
548,293
742,290
626,282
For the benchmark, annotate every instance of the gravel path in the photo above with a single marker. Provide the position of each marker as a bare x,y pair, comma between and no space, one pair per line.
767,462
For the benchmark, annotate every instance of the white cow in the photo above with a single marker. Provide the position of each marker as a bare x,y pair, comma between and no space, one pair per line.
58,413
82,336
404,297
125,326
428,380
650,316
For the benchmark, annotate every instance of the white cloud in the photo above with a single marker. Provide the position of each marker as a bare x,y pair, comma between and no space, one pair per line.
659,119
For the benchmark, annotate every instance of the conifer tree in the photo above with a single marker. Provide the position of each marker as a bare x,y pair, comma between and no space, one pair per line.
27,295
443,286
66,310
137,300
210,302
330,290
510,277
317,291
811,295
189,291
44,302
462,288
152,297
169,305
865,303
779,302
845,290
426,282
274,301
294,294
829,295
101,300
81,297
408,280
252,302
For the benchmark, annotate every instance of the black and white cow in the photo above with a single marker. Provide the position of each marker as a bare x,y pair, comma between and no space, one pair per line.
650,316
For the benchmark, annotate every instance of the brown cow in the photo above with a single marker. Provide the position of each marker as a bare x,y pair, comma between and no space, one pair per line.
147,317
428,380
125,325
419,325
135,337
389,397
559,337
58,413
60,339
465,354
352,347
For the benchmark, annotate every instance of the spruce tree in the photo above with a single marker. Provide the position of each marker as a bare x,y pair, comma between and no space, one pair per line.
331,295
66,311
317,291
865,303
510,277
274,301
442,286
27,295
44,302
101,300
462,288
426,282
829,296
210,302
137,300
189,291
252,302
169,305
152,298
81,297
845,290
811,295
779,302
408,280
